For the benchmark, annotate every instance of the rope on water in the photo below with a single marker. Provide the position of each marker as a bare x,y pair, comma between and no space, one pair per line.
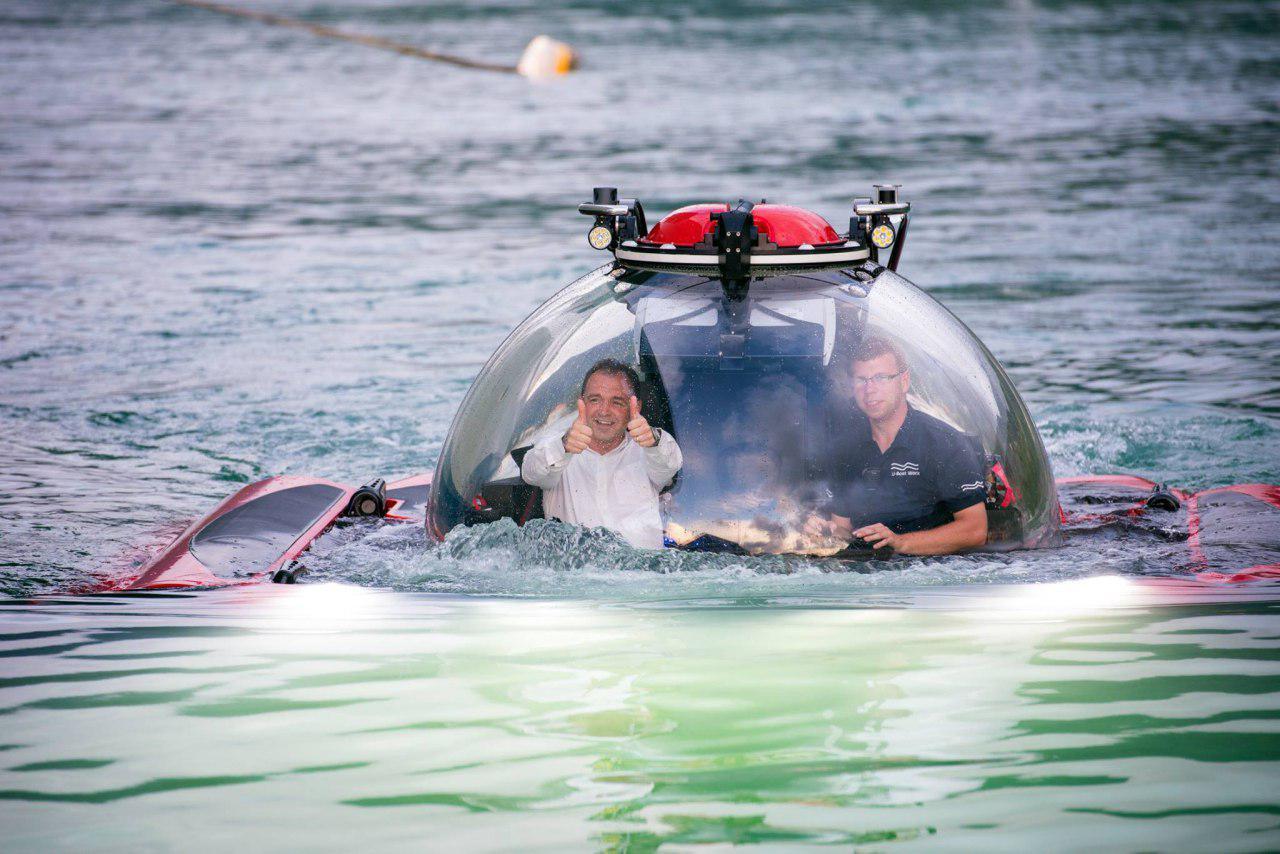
331,33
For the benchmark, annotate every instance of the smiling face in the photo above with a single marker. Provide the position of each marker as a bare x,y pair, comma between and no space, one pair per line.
879,399
608,400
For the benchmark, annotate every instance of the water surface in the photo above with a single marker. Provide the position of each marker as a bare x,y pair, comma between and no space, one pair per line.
996,718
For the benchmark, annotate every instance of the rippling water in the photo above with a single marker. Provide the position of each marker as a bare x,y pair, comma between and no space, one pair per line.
228,251
994,718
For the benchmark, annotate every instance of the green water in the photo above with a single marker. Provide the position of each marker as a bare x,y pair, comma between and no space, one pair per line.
331,717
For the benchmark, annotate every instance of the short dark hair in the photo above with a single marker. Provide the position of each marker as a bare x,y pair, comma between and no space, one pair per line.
876,346
613,368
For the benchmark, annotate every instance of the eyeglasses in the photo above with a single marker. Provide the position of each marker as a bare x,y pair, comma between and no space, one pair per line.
877,381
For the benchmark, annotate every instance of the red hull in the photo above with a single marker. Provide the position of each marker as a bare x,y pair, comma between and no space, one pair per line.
1223,524
267,525
261,529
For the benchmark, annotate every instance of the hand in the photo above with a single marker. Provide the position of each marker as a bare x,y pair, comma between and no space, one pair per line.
638,429
879,536
578,439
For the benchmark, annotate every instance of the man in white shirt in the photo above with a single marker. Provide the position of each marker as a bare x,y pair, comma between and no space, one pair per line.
608,469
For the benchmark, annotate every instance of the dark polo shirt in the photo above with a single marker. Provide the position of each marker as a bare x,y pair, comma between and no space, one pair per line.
929,472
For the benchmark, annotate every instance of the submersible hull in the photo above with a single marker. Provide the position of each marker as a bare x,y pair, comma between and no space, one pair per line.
1228,534
741,321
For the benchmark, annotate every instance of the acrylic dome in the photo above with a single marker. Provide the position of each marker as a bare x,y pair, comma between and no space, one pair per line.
747,387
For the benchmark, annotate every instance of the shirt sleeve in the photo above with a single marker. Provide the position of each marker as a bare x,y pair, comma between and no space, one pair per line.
545,462
962,482
663,460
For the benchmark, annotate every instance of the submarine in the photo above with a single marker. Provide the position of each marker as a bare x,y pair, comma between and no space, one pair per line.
741,320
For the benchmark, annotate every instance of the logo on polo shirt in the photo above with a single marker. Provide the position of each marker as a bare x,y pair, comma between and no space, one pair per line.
904,470
977,484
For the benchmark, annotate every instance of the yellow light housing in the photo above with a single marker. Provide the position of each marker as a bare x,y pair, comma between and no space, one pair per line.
600,237
883,235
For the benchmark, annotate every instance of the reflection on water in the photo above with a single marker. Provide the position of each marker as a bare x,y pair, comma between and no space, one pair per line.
1123,714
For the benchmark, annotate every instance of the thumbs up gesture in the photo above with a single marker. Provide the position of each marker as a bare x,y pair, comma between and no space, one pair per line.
578,439
638,429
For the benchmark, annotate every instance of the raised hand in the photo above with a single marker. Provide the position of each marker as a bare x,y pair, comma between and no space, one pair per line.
638,429
578,439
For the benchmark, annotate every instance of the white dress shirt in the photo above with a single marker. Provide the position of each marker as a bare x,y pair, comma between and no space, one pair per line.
618,490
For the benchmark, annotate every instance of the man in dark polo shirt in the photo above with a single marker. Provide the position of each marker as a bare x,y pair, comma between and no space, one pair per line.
911,482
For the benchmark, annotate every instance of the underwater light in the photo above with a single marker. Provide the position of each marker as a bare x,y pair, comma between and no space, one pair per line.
617,220
1061,598
600,237
323,608
882,235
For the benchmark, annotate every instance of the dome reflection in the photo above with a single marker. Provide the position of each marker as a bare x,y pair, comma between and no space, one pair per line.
753,389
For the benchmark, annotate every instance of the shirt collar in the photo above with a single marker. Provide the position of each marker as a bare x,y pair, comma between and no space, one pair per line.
908,434
625,440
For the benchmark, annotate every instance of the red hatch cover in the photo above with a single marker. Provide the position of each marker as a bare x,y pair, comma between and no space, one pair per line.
784,225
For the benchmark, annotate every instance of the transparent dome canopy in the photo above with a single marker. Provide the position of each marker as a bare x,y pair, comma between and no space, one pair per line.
750,388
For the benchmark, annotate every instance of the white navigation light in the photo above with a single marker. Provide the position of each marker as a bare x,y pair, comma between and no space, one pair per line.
600,237
882,235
